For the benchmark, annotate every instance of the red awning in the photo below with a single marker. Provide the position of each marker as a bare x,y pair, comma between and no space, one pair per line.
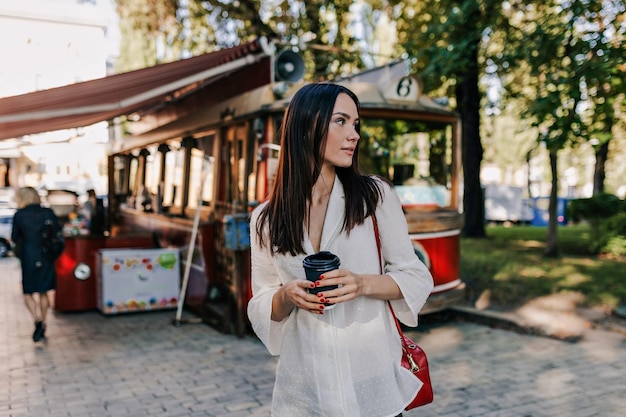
83,104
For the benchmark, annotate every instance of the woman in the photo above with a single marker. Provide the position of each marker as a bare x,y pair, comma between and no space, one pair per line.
88,211
38,274
346,361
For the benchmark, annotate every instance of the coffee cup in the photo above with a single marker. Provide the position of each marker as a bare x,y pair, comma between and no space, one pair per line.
315,265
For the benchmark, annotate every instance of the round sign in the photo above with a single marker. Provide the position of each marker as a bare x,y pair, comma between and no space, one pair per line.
82,271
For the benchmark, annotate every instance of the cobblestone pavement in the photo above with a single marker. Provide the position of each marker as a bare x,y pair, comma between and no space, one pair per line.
142,365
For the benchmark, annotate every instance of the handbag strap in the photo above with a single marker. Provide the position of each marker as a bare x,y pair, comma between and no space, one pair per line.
380,263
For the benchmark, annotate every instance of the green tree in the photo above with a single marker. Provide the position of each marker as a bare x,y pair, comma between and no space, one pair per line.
448,40
453,45
445,37
165,30
145,28
568,51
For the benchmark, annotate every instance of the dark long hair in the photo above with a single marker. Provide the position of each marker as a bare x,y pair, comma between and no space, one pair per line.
303,142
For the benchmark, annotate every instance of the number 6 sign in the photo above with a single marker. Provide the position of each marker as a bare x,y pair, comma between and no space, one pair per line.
403,89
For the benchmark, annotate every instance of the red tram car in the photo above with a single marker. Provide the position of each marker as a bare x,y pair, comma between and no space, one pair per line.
196,166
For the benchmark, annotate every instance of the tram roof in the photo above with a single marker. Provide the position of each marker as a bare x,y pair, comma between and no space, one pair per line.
141,91
209,112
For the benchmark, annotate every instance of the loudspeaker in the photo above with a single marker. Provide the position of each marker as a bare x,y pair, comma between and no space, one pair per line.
289,66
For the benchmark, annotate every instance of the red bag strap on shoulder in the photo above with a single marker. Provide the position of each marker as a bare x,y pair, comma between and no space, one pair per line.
380,263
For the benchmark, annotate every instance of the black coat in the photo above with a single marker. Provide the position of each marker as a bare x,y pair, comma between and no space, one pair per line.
38,274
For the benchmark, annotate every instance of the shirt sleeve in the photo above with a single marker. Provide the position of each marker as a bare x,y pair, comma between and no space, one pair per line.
265,283
400,260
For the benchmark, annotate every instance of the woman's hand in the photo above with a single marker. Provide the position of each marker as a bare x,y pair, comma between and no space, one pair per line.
352,285
295,294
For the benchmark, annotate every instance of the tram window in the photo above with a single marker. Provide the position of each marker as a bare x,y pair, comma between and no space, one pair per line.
173,185
120,176
414,156
132,176
153,171
241,175
201,165
274,155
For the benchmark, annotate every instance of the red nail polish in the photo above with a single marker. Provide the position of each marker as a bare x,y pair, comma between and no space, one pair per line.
321,306
321,276
312,285
320,294
317,283
322,300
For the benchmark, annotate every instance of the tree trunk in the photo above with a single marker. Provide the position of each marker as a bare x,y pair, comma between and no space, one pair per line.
468,103
552,238
602,153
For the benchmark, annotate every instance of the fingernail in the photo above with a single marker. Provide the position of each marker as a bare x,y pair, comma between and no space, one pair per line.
322,300
319,294
321,306
317,283
321,276
312,285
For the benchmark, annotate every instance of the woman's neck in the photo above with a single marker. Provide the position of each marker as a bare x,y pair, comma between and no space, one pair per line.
323,186
317,208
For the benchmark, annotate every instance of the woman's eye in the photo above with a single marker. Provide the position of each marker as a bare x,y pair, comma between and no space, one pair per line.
340,121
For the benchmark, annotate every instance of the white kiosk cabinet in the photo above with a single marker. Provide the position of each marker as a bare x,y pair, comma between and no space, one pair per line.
134,280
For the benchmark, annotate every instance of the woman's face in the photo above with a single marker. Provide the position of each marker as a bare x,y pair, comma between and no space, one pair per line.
343,137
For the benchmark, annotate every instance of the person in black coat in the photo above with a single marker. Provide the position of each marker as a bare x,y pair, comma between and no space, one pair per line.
38,272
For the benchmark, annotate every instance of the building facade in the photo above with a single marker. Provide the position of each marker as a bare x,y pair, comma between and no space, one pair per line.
47,44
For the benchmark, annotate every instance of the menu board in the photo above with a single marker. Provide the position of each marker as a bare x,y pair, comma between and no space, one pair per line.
134,280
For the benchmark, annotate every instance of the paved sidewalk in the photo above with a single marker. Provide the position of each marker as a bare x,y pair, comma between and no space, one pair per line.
142,365
127,365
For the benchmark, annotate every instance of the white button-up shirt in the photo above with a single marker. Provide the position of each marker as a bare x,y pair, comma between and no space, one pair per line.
346,362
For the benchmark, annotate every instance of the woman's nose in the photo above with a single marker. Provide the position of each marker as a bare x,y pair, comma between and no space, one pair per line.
354,135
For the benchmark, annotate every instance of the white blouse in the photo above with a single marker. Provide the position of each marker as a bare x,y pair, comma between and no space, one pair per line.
346,362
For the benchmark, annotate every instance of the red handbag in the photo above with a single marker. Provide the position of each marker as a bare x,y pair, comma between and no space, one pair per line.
413,357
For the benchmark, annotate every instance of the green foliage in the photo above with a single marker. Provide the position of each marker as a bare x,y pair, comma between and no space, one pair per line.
612,237
561,61
558,58
159,31
444,37
600,206
509,263
572,51
446,40
615,246
606,214
144,26
616,224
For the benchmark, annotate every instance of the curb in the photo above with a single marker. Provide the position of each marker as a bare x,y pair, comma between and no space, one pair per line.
510,321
